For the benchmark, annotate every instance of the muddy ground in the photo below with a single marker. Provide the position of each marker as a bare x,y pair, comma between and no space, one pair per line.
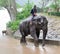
10,45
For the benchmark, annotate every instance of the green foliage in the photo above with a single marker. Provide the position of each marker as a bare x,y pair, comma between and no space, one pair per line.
54,6
18,6
26,11
3,3
39,10
46,9
20,16
54,13
27,8
13,25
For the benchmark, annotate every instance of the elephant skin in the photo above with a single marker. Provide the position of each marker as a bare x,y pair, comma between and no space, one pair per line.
32,27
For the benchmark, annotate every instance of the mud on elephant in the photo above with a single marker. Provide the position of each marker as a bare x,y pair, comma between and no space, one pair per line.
32,27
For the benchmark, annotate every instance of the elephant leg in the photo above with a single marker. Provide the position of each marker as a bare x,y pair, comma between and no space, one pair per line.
38,33
44,36
23,39
34,35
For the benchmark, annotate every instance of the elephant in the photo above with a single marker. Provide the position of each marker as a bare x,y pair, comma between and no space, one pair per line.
32,26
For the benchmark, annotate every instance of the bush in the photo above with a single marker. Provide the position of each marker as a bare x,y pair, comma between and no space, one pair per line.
54,13
13,25
25,13
20,16
18,5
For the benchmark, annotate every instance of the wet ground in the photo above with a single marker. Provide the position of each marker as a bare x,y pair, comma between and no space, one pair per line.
10,45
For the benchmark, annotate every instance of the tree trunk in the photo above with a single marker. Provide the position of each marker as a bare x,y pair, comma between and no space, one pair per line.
57,9
12,9
12,17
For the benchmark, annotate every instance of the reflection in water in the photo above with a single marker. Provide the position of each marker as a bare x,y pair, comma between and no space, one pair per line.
10,45
40,50
4,18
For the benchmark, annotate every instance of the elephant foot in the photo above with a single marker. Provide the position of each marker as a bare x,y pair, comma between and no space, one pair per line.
23,42
36,43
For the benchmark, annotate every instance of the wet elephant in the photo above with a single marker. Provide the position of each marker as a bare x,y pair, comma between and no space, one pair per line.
32,27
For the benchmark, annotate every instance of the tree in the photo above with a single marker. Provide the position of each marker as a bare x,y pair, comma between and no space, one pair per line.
10,5
55,5
43,4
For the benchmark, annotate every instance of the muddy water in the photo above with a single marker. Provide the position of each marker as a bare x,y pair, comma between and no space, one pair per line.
10,45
